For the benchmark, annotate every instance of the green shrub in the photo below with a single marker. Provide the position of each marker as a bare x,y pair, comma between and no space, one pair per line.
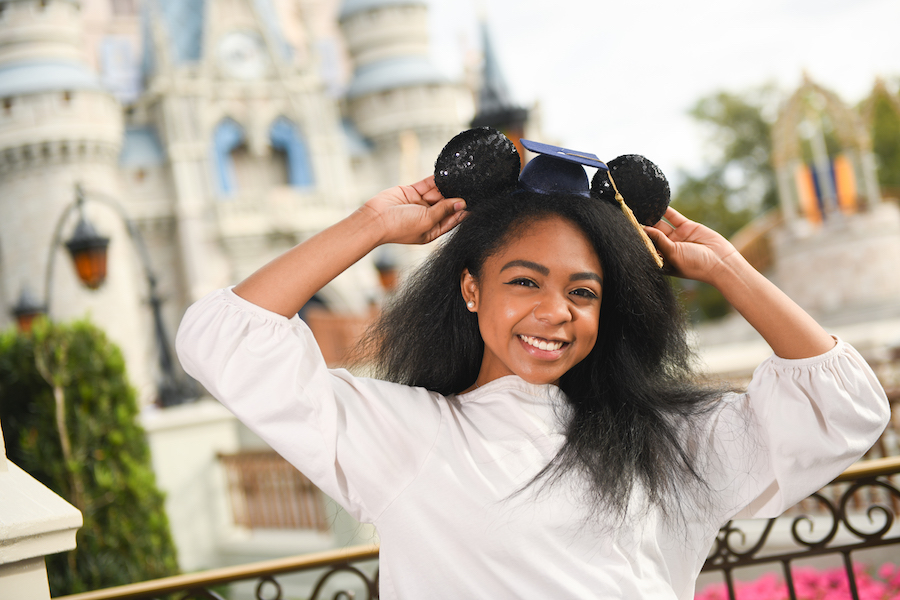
69,418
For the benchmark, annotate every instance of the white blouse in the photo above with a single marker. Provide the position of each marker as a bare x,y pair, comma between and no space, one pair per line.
437,475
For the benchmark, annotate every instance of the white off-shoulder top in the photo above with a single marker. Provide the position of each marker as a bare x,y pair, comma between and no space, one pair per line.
437,474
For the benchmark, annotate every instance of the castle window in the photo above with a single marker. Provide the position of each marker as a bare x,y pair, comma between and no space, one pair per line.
120,68
228,137
288,142
257,173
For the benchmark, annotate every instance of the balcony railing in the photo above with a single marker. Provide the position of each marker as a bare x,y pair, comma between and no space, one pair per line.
199,586
859,510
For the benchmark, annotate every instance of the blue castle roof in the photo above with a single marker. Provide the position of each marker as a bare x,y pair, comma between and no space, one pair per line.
393,73
185,28
35,77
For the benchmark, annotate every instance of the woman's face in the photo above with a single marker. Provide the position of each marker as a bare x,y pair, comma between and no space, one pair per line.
538,302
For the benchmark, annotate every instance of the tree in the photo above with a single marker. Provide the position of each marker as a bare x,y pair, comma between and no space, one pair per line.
69,417
739,183
885,129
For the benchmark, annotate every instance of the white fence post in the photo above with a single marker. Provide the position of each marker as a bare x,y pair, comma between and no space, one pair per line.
34,522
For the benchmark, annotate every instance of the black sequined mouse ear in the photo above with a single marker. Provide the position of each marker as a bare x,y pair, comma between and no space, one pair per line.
639,188
641,184
477,164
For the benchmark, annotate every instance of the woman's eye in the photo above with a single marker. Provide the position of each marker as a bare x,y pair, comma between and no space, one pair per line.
584,293
523,282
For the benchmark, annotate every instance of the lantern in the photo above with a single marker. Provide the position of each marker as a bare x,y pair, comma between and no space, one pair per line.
27,309
88,252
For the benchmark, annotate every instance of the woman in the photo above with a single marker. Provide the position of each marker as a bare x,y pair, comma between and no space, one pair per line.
540,434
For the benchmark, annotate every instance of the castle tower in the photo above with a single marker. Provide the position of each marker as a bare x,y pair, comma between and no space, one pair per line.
398,101
252,143
59,128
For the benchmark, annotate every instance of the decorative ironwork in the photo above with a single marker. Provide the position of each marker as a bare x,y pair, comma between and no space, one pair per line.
274,583
850,525
371,584
200,594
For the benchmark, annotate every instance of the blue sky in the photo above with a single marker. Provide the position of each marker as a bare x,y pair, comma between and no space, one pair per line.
618,77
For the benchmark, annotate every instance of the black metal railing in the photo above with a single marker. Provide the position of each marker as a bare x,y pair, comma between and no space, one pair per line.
860,508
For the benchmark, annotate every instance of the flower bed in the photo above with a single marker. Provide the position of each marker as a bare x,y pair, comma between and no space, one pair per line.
813,584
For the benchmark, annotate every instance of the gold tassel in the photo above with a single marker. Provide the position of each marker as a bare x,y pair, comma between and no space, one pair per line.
647,241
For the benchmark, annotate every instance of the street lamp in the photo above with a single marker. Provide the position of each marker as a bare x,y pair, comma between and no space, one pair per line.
27,309
88,250
388,276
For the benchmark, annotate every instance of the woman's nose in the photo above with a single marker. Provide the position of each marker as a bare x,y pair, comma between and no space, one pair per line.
553,308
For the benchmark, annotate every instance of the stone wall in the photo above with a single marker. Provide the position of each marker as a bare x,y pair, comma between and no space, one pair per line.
849,264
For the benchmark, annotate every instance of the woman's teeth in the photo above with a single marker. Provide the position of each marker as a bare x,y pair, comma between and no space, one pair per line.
541,344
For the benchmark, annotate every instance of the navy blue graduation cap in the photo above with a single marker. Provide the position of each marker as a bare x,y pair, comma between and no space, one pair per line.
557,170
576,156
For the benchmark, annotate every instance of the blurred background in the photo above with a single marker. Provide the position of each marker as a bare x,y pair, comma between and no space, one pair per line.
152,151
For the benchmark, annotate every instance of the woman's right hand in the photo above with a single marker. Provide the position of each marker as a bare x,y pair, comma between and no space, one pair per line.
414,214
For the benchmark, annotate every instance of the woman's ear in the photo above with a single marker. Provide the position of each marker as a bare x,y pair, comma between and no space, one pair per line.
468,285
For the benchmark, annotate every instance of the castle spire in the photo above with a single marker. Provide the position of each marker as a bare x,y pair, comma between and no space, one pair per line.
496,107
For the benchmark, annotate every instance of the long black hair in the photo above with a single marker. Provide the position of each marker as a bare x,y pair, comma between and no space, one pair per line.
632,396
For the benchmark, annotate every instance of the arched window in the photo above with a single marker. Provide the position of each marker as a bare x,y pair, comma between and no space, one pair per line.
286,136
227,137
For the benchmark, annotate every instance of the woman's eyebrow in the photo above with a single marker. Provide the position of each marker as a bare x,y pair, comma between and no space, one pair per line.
528,265
586,275
545,271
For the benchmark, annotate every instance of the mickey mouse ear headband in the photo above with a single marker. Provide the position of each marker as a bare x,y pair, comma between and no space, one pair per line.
482,163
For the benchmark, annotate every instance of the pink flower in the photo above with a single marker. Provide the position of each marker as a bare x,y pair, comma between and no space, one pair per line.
811,584
714,591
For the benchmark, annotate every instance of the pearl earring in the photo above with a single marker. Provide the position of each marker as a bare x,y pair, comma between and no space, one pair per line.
470,304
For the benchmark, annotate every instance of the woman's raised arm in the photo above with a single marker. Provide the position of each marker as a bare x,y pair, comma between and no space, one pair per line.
406,214
695,251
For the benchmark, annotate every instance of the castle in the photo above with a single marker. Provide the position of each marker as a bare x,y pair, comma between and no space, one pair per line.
225,132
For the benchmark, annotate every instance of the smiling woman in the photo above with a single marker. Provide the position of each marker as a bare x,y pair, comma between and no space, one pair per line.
536,429
538,303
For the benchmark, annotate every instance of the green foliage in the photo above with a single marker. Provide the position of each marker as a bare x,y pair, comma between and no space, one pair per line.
96,457
741,132
886,141
707,199
739,182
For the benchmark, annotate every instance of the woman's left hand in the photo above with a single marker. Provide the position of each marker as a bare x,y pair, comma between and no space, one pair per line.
690,250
